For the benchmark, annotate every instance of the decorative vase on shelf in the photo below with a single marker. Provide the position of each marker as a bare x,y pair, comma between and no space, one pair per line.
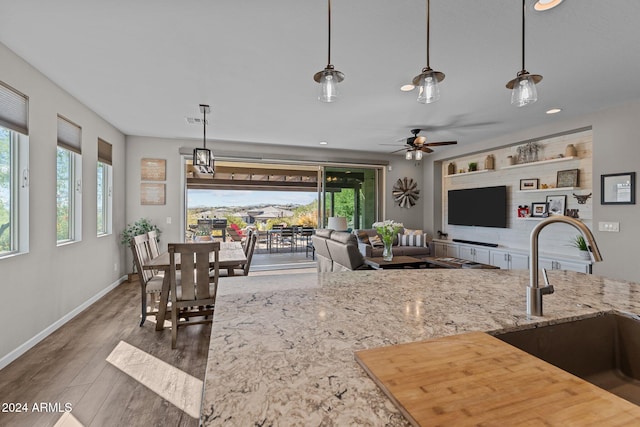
585,255
451,169
570,151
387,251
489,162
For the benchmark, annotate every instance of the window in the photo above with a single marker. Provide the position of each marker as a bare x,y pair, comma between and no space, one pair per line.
68,182
104,188
14,178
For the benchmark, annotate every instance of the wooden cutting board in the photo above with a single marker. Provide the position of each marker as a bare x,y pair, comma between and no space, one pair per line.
476,379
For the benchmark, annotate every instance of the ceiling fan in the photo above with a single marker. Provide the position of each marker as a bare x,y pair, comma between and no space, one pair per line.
419,143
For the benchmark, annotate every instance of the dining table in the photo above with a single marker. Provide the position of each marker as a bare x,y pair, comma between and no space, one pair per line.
231,255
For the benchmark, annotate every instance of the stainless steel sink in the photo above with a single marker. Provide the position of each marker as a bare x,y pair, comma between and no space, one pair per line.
603,350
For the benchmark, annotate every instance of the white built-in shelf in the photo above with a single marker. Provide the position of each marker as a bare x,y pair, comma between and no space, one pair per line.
541,162
469,173
540,218
547,190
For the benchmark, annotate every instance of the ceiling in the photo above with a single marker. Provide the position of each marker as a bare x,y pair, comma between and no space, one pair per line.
145,65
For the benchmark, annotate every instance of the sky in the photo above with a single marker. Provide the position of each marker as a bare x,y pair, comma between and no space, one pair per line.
218,198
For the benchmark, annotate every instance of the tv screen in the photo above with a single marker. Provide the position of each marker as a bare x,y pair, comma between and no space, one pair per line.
480,207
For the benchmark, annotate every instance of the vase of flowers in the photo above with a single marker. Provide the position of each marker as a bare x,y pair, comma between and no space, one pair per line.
387,230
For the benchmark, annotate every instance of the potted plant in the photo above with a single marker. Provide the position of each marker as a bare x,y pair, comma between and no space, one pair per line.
581,244
473,166
141,226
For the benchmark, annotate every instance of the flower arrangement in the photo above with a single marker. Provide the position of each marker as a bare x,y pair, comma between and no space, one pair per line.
388,229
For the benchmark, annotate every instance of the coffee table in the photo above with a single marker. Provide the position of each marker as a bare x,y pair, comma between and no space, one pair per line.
402,261
447,262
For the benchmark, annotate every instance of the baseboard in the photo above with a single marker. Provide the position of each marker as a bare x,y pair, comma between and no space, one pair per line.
13,355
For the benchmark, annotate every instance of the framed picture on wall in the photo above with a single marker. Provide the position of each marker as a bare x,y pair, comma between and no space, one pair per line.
152,194
568,178
557,205
539,209
618,189
529,184
153,169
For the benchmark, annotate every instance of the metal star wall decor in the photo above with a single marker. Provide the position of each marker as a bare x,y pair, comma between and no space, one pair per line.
405,192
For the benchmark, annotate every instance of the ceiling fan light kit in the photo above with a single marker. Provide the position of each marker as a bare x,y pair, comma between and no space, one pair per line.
523,87
329,77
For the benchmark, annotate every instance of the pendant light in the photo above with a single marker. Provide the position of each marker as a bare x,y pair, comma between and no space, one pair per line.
523,87
202,157
427,81
329,77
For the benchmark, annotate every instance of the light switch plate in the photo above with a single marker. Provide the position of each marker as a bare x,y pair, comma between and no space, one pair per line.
613,227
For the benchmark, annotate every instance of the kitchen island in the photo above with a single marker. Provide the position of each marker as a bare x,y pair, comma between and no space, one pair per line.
282,349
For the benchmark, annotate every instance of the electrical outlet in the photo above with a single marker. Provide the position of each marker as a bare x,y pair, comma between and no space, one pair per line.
168,220
613,227
115,267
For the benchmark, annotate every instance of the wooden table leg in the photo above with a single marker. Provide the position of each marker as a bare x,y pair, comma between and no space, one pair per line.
164,300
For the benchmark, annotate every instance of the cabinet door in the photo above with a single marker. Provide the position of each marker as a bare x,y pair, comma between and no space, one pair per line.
518,262
481,255
466,252
452,251
572,266
500,259
439,249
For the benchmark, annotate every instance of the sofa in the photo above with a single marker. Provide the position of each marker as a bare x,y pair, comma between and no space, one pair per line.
413,243
337,251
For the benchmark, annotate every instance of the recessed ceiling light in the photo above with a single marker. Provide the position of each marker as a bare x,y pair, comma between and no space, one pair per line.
554,110
407,88
323,142
546,4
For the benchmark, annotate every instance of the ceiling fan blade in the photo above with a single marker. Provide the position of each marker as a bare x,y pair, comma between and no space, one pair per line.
426,149
397,151
435,144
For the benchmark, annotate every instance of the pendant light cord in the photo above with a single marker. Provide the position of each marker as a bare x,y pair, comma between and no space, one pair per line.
523,9
329,43
204,124
428,21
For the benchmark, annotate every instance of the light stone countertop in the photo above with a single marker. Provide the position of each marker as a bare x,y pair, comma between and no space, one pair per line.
282,347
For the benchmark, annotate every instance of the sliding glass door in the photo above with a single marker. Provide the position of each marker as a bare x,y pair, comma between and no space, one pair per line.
352,193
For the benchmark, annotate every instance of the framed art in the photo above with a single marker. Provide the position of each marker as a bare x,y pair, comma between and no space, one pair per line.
153,169
529,184
152,194
618,189
557,205
568,178
539,209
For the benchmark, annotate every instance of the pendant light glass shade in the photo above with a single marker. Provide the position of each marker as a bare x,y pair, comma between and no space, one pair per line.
428,87
524,89
329,77
408,155
419,155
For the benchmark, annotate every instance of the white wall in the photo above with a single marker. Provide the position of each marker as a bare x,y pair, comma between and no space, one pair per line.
615,149
45,285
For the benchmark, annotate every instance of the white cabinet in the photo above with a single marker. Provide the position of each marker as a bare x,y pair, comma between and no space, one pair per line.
560,264
446,250
509,261
471,253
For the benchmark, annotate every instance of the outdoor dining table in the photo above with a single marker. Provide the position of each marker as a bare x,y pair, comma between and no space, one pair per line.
231,254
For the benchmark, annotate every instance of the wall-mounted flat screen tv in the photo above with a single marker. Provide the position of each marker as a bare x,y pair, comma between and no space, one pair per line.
479,207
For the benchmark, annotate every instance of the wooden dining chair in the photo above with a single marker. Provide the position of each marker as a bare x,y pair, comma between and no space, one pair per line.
150,283
242,269
193,291
154,248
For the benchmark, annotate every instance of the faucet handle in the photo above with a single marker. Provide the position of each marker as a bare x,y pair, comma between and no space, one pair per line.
548,288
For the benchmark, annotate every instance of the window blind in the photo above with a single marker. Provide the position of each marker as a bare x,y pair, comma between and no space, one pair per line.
69,135
104,152
14,111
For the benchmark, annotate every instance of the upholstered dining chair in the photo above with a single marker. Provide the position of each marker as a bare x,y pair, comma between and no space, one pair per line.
193,291
150,283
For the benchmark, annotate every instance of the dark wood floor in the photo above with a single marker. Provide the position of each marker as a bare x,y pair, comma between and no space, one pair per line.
69,367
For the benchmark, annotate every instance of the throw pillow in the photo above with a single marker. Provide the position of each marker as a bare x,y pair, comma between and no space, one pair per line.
375,241
408,231
413,239
363,237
